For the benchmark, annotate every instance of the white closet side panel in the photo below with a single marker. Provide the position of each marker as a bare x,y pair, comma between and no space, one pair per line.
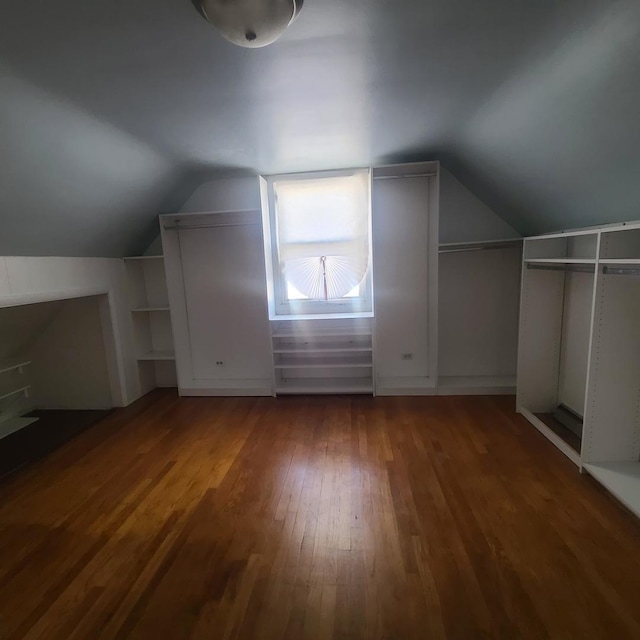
574,349
401,239
226,302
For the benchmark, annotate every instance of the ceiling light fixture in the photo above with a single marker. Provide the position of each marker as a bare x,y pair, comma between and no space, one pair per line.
250,23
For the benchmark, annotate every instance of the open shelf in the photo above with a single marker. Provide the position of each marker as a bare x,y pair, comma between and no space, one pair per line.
622,479
283,361
11,365
338,333
14,424
156,356
330,355
621,261
317,348
149,309
301,386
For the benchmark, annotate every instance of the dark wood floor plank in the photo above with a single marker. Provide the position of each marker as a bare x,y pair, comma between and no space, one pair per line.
332,518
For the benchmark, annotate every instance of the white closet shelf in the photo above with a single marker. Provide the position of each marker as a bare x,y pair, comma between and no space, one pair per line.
14,392
561,260
148,309
336,333
300,386
14,424
157,355
480,245
316,348
144,258
11,365
295,362
627,261
622,479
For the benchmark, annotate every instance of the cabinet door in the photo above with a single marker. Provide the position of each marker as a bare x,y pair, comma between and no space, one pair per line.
401,277
226,301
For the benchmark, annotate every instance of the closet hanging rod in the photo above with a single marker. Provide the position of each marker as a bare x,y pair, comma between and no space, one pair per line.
408,175
568,267
621,271
184,227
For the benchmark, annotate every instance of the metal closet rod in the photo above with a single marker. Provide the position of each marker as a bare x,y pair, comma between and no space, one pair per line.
621,271
184,227
577,268
408,175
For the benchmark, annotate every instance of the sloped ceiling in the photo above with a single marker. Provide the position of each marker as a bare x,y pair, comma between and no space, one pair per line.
113,112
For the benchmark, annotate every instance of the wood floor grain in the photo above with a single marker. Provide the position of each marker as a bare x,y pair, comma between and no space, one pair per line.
301,518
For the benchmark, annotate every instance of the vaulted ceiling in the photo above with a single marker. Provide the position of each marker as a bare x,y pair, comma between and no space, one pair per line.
113,112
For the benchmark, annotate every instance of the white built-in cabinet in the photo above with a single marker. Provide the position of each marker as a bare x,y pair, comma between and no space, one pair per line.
151,322
445,316
405,278
218,297
580,350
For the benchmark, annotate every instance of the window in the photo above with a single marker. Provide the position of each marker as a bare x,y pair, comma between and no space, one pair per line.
320,243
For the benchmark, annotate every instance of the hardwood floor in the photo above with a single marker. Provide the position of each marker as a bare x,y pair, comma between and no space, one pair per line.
331,517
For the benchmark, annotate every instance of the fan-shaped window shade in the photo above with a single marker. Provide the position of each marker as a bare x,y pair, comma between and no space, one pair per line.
323,234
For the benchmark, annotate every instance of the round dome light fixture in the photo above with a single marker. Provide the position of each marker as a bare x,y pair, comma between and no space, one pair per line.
250,23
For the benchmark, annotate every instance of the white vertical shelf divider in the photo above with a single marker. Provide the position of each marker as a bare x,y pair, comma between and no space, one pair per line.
151,322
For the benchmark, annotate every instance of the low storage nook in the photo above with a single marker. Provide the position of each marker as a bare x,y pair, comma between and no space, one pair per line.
579,350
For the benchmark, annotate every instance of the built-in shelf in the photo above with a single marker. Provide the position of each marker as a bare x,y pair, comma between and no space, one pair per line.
149,309
14,424
480,245
338,333
11,365
144,258
156,356
329,355
621,261
561,260
14,392
301,386
336,361
622,479
316,348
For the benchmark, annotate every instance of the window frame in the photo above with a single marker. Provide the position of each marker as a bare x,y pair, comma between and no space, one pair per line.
279,304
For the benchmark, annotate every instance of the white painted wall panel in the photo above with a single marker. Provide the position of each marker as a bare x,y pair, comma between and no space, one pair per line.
478,313
69,367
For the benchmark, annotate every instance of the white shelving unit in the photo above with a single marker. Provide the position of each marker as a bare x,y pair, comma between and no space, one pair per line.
151,320
323,356
609,448
15,396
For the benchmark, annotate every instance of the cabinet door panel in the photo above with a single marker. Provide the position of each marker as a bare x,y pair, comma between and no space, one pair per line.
401,275
225,291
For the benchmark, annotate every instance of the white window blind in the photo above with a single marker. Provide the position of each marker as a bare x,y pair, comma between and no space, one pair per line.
323,234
